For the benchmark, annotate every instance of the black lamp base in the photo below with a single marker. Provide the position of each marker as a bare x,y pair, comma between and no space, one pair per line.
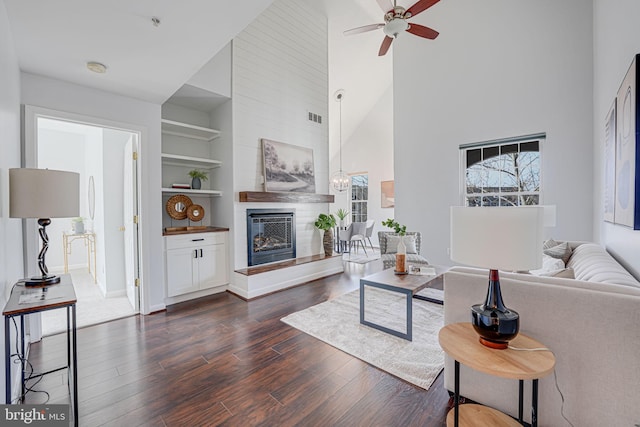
496,328
495,323
41,281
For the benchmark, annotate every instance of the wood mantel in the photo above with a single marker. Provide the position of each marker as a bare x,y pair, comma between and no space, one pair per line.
285,197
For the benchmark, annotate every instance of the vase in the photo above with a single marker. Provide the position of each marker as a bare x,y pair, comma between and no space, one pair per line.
327,243
196,184
78,227
401,257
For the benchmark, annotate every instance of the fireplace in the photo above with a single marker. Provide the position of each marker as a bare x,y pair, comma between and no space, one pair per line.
271,235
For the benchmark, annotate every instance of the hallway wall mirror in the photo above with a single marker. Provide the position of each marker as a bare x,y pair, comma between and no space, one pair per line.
92,198
177,206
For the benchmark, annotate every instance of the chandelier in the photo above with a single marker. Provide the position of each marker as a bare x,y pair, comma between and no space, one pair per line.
340,180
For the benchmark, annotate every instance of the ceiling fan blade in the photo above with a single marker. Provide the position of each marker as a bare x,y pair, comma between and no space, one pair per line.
384,47
385,5
422,31
363,29
420,6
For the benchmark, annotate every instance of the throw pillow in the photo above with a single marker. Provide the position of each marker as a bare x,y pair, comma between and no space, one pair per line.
409,242
560,250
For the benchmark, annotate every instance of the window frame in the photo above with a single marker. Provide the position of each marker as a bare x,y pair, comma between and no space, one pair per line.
364,201
540,138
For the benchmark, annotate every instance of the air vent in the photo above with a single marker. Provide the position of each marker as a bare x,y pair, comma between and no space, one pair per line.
316,118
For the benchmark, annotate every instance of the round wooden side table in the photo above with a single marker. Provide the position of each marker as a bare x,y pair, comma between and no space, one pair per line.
460,341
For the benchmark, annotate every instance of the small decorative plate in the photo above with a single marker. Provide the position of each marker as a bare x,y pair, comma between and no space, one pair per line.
195,212
177,206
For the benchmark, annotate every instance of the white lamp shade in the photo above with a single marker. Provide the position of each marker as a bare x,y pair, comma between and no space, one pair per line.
498,238
43,193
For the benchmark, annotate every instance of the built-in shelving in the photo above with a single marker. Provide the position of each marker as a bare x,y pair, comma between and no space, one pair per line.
192,132
187,130
188,161
191,191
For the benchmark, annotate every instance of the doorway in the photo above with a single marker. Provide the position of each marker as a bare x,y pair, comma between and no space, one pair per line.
99,248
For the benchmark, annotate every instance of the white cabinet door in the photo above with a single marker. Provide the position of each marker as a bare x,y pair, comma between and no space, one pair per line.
180,271
212,266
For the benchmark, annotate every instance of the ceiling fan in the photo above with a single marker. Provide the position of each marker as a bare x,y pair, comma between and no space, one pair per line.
395,18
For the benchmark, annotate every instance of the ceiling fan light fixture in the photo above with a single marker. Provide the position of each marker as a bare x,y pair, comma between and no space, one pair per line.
97,67
395,26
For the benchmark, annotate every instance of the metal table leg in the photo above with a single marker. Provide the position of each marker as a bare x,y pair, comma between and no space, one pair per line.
7,361
456,395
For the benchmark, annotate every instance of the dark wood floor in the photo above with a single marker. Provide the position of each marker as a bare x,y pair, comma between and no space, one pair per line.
223,361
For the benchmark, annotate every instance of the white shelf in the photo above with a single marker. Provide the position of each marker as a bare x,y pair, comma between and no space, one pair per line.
195,162
190,191
187,130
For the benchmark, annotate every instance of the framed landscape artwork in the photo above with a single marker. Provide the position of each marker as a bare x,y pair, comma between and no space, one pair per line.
610,164
627,178
287,168
387,194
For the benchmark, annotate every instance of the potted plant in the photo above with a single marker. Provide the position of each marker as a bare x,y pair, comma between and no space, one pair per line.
197,176
392,223
401,254
342,214
326,223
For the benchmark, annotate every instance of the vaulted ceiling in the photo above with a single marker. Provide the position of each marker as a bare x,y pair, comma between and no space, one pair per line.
145,61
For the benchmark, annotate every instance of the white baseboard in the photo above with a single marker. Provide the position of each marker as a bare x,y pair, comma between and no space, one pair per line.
194,295
156,308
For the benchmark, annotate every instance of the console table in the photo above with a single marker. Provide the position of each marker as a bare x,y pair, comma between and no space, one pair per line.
89,239
36,299
460,341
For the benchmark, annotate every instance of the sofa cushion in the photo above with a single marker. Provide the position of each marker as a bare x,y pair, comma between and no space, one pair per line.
393,241
592,263
560,250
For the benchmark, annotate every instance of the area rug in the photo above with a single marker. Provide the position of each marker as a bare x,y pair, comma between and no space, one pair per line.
361,258
337,322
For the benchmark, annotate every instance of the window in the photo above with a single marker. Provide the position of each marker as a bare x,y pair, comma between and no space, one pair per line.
502,173
359,197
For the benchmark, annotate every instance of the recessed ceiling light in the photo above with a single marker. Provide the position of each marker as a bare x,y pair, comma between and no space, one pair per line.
97,67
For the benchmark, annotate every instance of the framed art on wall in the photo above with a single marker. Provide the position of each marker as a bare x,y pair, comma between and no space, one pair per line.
287,167
627,185
610,164
387,194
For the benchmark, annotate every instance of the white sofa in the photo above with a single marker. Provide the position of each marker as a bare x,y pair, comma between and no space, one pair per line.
591,323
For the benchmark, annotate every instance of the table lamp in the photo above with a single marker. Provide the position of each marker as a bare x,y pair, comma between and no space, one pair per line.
497,238
43,194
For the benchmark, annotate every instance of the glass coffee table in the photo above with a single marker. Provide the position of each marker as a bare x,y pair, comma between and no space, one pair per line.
408,285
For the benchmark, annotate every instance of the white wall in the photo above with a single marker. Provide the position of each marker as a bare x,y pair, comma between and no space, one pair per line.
616,41
367,106
498,69
144,116
279,75
215,75
369,149
11,266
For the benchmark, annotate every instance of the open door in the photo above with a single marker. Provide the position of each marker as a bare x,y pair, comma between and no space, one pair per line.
131,222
